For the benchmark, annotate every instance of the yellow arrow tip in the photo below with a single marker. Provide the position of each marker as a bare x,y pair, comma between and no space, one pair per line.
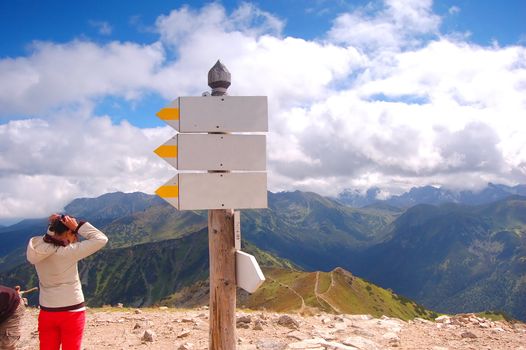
168,114
166,151
168,191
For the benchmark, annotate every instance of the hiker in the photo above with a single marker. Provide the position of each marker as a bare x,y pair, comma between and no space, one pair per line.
55,255
22,292
11,313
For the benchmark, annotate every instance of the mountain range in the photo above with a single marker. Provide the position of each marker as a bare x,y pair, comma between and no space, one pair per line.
450,257
431,195
455,258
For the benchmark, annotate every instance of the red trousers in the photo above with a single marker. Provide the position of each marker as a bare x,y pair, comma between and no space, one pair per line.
63,327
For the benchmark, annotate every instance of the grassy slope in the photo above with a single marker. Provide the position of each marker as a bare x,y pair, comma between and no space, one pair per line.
337,291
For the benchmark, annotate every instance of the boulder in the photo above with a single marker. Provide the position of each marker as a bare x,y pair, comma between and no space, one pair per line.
186,346
287,321
148,335
243,322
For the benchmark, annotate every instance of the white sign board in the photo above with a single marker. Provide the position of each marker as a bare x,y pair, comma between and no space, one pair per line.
197,191
217,114
248,274
215,152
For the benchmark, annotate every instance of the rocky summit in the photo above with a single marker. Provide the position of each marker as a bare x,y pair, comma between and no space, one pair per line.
169,328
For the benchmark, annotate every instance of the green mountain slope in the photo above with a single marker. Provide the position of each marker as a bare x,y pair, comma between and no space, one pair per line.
156,223
456,258
313,231
142,274
337,291
135,218
326,230
137,275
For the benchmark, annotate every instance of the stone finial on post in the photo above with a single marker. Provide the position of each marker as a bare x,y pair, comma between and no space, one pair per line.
219,79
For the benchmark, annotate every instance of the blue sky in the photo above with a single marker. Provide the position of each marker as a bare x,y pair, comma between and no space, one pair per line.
60,21
387,93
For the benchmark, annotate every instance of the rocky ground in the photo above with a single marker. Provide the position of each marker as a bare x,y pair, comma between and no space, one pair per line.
164,328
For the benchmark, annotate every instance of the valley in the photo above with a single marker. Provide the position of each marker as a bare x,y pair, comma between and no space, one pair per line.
449,258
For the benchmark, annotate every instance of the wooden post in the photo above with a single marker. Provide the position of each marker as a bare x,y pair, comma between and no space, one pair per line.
222,252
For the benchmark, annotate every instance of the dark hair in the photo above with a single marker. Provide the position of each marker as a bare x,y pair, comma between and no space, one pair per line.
58,227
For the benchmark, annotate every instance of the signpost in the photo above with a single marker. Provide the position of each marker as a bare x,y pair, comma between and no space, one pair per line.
216,135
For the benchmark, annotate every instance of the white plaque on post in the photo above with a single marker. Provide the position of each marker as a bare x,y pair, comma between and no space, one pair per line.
217,114
248,273
215,152
197,191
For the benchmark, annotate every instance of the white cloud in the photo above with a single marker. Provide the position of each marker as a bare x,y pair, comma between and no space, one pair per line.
47,163
181,26
58,74
289,70
425,116
377,104
399,24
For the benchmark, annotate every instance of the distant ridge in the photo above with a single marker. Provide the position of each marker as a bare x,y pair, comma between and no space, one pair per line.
431,195
107,207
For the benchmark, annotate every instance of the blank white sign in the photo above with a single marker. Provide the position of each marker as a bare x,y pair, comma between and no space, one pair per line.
248,273
199,191
222,190
221,152
221,114
216,152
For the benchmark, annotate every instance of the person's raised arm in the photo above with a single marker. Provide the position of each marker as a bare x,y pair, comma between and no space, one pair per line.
94,238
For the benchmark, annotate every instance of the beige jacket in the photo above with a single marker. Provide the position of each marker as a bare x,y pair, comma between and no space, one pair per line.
57,266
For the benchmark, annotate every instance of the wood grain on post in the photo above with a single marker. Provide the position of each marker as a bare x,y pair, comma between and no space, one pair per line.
222,279
221,244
